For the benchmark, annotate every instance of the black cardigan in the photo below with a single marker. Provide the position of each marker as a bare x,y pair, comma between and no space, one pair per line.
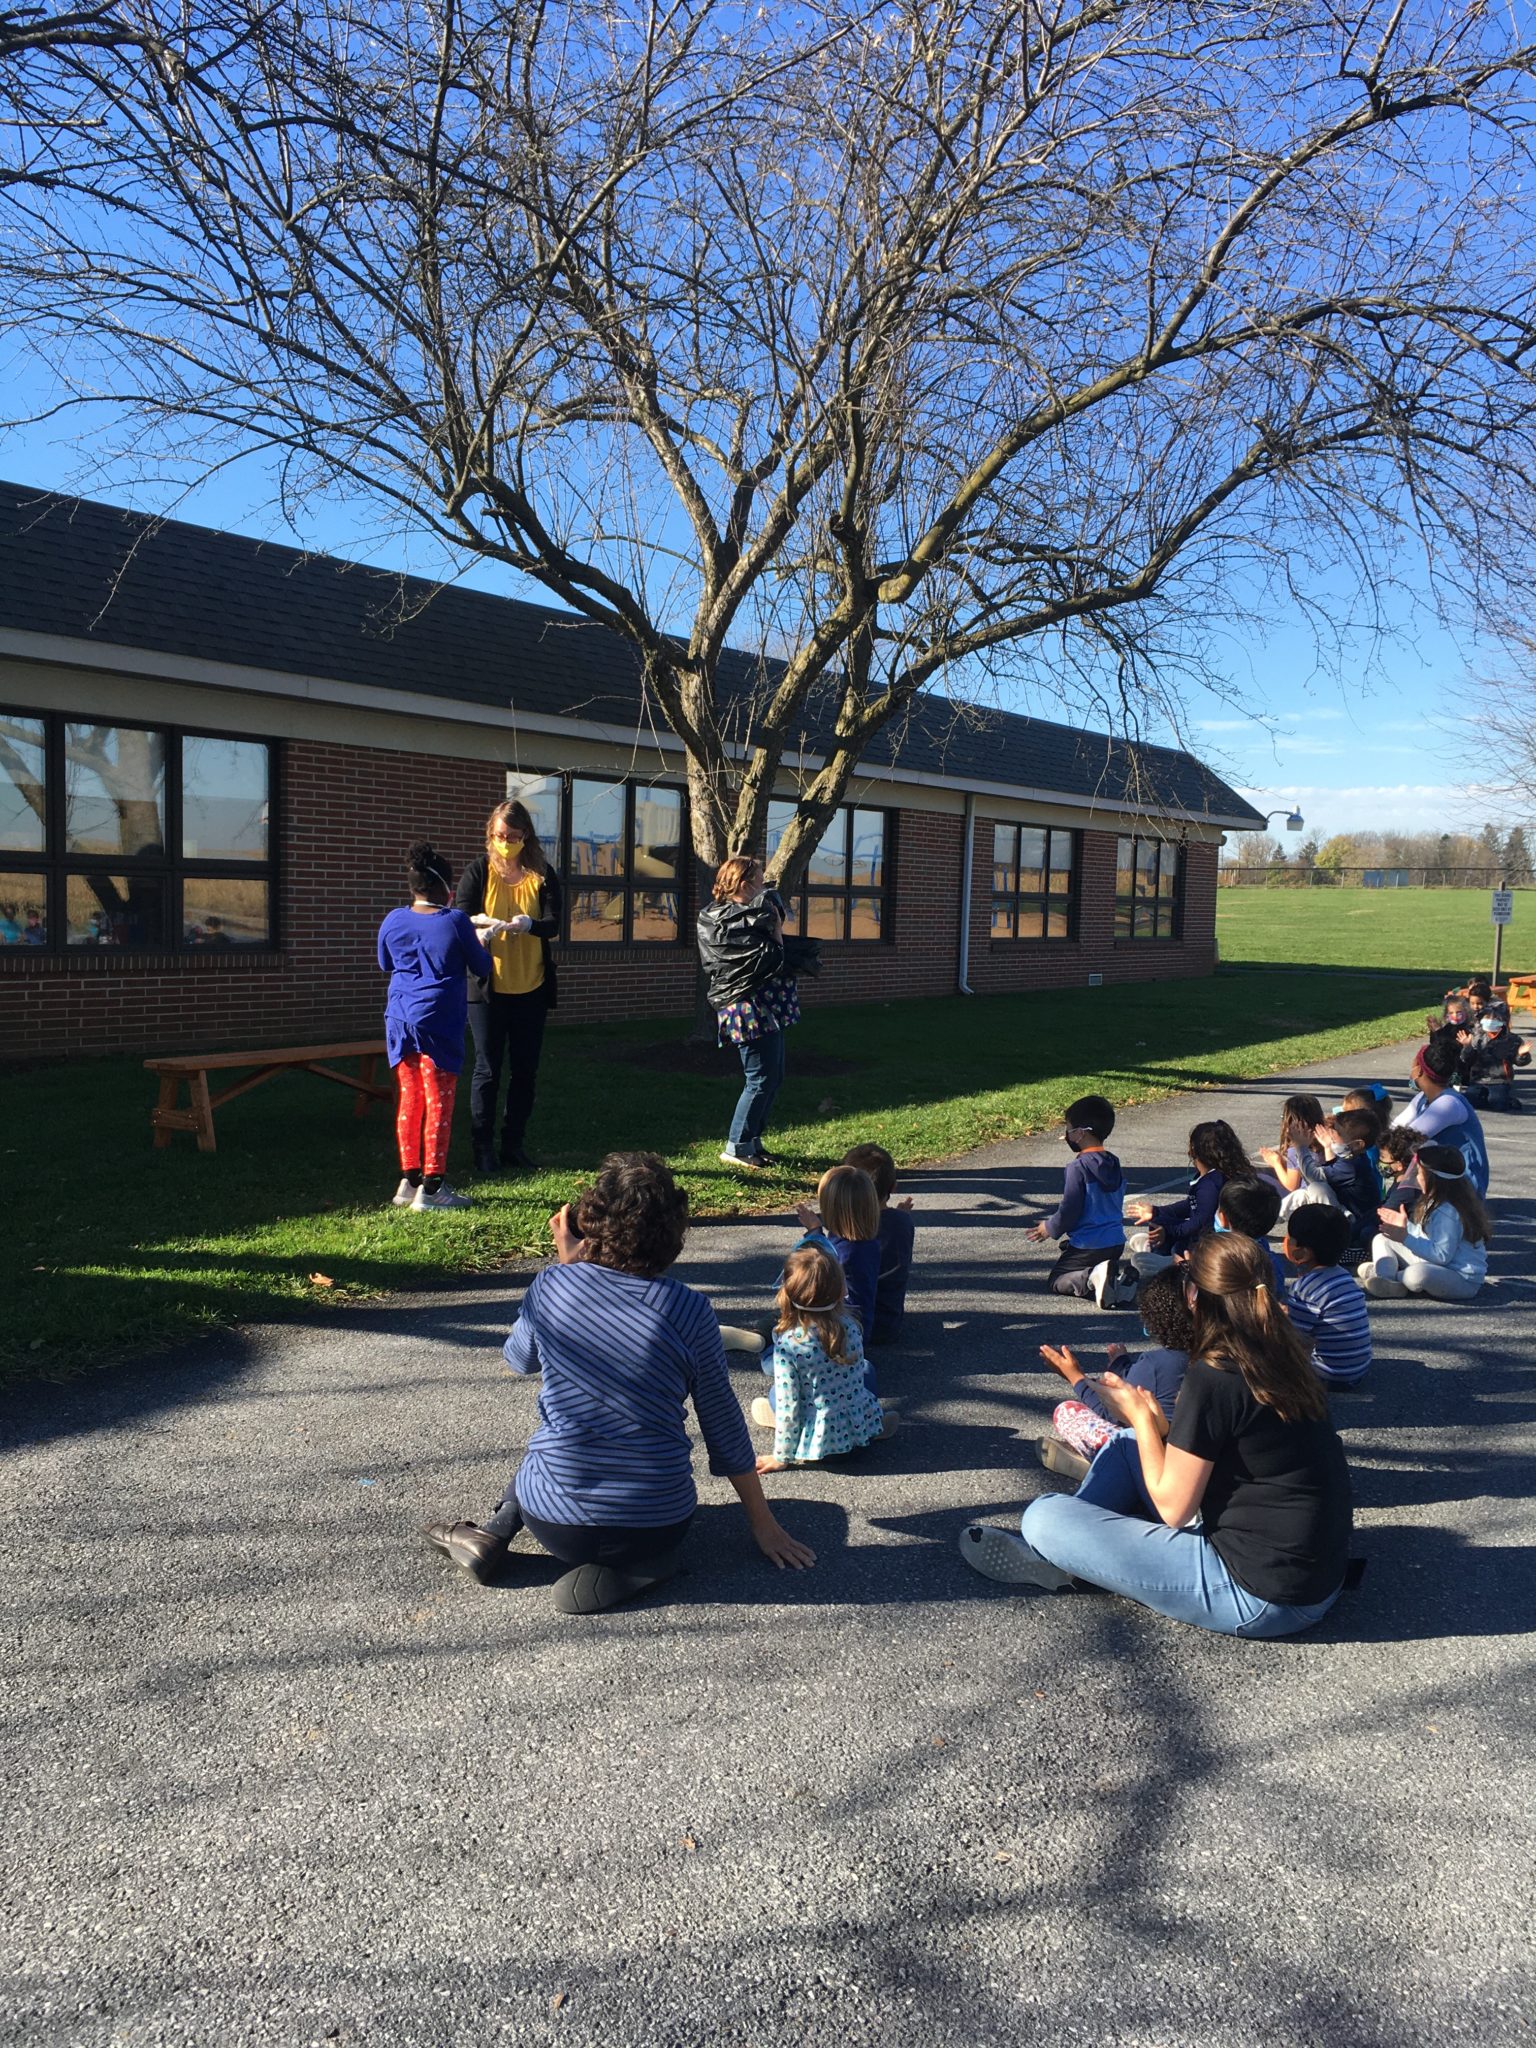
470,898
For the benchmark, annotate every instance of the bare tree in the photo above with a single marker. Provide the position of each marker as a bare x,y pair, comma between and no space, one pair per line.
922,338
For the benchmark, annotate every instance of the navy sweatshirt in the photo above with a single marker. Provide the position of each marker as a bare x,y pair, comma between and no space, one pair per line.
1182,1222
1092,1200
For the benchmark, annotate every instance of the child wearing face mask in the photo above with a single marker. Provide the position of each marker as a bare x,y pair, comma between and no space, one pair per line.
1088,1219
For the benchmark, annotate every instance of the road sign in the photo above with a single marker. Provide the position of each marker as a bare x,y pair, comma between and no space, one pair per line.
1503,906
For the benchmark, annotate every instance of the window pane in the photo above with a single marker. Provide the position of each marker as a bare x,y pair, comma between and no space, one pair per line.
658,834
655,915
114,910
829,863
1031,858
222,911
1002,917
868,850
1125,868
597,916
1168,871
792,913
540,797
1165,920
23,911
1061,863
597,828
1146,867
779,815
22,764
1004,880
114,790
1123,921
1058,922
223,799
864,917
1144,927
1031,918
824,917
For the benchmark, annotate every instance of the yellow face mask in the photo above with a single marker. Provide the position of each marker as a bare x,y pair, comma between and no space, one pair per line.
504,844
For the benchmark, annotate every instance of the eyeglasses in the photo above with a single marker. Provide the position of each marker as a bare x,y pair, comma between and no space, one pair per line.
508,838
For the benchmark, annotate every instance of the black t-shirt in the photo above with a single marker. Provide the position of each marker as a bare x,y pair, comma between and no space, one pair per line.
1276,1508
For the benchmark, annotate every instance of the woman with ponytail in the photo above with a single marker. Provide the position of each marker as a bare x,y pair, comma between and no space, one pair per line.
426,950
1234,1516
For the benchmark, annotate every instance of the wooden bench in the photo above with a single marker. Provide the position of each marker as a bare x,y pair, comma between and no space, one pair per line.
195,1067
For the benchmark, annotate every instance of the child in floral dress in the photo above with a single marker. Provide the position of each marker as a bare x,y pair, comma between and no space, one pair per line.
821,1406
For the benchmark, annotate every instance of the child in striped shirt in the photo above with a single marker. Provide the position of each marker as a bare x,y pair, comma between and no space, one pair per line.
1325,1304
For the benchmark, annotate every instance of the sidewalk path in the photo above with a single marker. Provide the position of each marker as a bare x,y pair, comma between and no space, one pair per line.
277,1776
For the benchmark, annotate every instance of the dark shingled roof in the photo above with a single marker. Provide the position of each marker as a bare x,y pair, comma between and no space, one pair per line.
123,579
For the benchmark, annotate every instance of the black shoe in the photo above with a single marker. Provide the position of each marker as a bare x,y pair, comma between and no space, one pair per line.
473,1549
515,1160
486,1164
594,1588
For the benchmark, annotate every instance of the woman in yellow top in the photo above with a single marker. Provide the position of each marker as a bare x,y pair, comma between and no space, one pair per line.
512,895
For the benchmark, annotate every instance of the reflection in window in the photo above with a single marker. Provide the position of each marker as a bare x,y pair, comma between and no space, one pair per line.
23,760
223,799
1149,875
843,894
597,827
114,790
658,834
23,910
656,916
540,796
1034,876
597,917
116,910
221,911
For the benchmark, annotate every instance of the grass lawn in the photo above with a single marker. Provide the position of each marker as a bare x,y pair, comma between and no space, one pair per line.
114,1247
1444,931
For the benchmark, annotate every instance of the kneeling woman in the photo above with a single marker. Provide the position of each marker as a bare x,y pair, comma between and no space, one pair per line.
607,1482
1235,1516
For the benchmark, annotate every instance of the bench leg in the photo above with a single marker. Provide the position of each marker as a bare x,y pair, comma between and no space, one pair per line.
202,1111
168,1090
365,1069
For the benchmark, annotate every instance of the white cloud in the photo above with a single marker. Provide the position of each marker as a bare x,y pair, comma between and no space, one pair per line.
1377,806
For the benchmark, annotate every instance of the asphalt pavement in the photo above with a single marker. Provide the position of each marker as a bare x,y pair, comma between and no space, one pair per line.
278,1775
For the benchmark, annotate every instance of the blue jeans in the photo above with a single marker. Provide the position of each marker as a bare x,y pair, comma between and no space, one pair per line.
1099,1534
762,1065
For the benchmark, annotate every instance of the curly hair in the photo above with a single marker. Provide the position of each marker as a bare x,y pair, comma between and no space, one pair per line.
634,1216
732,874
1217,1147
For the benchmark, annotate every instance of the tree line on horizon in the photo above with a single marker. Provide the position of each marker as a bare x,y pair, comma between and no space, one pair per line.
1468,860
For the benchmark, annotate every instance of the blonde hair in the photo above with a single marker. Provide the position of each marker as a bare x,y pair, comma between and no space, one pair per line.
811,1295
515,814
849,1206
732,873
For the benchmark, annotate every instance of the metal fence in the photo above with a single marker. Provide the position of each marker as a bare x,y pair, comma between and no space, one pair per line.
1287,876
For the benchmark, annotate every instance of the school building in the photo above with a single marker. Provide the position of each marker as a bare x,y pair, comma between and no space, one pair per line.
214,752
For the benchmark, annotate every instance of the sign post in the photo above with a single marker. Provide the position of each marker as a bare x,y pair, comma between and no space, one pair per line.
1501,914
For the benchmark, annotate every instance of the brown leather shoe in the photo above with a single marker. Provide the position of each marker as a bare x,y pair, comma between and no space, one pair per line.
473,1549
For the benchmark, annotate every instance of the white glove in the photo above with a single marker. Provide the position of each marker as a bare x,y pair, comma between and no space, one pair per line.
517,926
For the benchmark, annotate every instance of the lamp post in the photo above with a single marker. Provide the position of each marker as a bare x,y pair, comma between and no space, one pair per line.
1294,821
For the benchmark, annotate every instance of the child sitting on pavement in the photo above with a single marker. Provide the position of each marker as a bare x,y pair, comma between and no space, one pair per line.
1443,1250
846,1219
1083,1423
1088,1219
1347,1138
1325,1306
897,1232
1485,1072
1250,1207
1217,1156
821,1407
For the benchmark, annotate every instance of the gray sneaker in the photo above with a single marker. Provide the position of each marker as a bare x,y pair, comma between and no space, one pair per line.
445,1198
404,1195
999,1554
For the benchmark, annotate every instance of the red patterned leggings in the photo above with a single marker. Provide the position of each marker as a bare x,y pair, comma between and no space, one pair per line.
426,1099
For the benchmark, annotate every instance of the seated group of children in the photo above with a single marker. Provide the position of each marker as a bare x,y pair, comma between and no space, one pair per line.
1490,1050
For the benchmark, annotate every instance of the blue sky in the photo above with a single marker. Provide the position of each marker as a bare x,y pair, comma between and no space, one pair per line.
1377,739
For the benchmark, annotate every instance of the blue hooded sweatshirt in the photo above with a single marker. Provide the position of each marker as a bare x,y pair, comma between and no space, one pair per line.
1092,1202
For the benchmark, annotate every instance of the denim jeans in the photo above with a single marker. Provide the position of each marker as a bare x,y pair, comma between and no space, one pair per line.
762,1066
1100,1534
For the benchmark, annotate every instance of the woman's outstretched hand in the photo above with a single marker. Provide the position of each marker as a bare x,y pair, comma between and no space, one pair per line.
779,1547
1132,1404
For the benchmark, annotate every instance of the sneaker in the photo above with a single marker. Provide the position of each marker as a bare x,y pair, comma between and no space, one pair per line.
762,1158
1101,1282
1382,1286
445,1198
999,1554
735,1338
404,1195
1058,1456
748,1163
1126,1286
762,1413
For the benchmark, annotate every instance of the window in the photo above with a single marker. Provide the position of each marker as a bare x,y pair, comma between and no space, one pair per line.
134,837
1034,882
1149,888
621,856
843,895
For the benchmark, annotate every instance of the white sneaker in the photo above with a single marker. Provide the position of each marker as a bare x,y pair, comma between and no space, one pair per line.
737,1159
1100,1281
445,1198
737,1339
999,1554
762,1413
404,1195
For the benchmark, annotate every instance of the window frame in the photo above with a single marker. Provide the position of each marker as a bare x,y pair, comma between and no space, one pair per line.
800,899
1125,905
629,885
1041,899
171,870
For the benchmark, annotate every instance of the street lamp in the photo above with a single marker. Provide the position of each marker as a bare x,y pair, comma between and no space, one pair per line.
1294,821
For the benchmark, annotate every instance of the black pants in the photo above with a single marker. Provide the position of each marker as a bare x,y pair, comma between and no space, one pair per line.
510,1030
576,1543
1070,1273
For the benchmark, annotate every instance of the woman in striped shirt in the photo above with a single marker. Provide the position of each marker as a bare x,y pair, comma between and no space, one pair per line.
607,1485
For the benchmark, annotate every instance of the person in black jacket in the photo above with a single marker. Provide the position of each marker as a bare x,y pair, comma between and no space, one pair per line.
512,896
741,947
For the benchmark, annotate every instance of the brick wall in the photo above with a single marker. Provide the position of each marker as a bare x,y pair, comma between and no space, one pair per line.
350,812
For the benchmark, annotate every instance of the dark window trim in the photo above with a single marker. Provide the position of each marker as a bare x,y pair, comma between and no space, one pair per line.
1126,905
1037,899
171,869
808,892
629,884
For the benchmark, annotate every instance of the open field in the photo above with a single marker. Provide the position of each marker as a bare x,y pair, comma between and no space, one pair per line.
1444,932
116,1247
